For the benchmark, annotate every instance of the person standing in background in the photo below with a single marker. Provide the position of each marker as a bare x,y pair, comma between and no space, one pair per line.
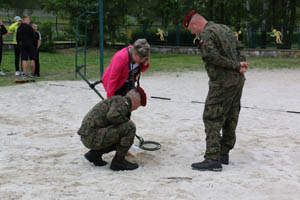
3,31
25,37
17,48
37,44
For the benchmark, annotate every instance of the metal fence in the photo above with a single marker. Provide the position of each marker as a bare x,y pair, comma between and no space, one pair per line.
281,37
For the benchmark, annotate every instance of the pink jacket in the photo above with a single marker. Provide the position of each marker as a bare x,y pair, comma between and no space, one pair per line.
116,74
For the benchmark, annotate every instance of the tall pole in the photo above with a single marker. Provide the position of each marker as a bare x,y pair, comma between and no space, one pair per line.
101,37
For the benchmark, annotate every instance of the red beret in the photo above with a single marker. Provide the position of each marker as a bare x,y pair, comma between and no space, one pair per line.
188,18
143,96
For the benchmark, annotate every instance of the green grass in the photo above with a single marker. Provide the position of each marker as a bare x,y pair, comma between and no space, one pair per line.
274,63
60,65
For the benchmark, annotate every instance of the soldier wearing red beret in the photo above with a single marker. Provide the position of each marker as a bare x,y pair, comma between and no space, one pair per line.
225,66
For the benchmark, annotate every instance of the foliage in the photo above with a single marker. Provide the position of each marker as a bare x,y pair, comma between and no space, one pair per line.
47,44
166,13
20,7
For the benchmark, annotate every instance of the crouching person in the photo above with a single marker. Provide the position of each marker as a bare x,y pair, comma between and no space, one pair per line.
107,128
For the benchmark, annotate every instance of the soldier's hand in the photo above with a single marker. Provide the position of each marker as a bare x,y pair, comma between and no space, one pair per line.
132,122
243,67
243,70
146,61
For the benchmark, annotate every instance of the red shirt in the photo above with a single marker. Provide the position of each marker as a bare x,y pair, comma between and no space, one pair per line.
116,74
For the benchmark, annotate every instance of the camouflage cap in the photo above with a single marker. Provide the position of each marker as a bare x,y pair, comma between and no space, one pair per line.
142,47
188,18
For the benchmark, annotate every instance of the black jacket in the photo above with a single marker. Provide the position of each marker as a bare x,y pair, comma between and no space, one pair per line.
25,35
3,31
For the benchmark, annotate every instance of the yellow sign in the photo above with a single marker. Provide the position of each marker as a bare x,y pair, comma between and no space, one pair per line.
161,33
277,34
195,39
236,34
129,34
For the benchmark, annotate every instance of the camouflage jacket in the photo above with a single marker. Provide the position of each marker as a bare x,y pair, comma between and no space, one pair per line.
112,111
221,53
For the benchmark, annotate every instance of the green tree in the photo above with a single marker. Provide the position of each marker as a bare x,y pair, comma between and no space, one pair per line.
20,7
114,13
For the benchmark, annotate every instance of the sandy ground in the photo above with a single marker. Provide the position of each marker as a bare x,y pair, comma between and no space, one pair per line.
41,156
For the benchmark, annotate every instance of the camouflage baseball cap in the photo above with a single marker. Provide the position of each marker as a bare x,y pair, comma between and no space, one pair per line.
142,47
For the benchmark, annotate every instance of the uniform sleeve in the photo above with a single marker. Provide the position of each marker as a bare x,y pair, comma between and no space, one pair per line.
117,69
40,35
12,27
18,36
117,113
240,48
3,30
211,54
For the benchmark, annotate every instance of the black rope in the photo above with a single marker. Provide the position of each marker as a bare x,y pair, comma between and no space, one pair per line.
67,86
247,107
199,102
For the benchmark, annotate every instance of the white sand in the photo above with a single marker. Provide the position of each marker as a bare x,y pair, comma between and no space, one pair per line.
41,156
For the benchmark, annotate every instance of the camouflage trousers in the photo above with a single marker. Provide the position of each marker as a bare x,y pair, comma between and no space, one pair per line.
221,112
119,136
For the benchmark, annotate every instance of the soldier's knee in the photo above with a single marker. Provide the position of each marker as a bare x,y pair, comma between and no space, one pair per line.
213,113
131,128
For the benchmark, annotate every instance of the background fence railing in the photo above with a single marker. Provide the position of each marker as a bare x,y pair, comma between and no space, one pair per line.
251,37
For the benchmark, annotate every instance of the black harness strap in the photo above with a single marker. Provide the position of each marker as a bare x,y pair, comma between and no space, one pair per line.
132,72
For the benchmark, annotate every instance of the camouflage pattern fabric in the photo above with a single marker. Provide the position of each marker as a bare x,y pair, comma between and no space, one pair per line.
107,124
221,53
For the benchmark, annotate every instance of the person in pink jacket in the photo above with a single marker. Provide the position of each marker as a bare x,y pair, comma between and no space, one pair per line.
125,68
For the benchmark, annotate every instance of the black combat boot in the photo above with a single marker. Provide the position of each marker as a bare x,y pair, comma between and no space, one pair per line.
224,159
95,157
119,163
208,165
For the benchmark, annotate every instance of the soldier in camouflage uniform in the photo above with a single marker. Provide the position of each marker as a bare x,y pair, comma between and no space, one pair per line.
225,66
107,128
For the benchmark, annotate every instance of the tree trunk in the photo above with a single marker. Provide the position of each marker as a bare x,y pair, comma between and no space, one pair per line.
264,26
285,23
56,25
211,10
292,21
238,9
274,22
248,25
222,12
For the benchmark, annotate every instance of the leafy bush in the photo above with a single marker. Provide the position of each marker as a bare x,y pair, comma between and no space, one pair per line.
47,41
